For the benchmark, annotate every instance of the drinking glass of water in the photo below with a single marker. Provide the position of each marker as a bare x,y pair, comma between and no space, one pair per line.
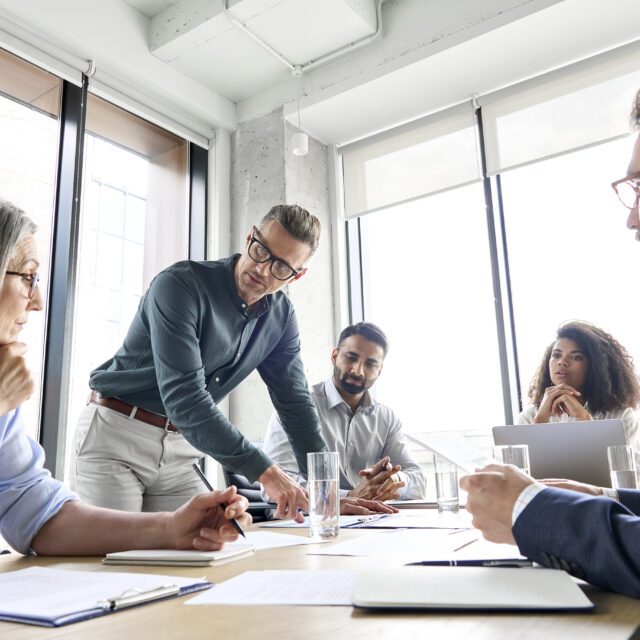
446,485
622,467
323,470
515,454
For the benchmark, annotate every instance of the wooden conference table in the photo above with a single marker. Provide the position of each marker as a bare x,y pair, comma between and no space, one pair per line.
616,617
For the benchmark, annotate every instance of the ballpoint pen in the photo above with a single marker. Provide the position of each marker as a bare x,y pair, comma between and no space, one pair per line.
473,563
207,484
359,522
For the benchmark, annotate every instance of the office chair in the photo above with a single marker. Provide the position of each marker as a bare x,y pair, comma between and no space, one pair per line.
258,509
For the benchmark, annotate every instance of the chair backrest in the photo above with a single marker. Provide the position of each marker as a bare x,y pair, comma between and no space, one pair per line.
251,491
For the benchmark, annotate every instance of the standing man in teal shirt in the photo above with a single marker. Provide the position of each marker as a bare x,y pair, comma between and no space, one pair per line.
200,329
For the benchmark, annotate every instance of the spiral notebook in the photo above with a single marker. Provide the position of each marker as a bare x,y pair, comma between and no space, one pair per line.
54,597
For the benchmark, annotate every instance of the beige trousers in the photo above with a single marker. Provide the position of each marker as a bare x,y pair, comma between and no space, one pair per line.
123,463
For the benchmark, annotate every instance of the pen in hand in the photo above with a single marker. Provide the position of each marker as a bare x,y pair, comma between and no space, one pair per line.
207,484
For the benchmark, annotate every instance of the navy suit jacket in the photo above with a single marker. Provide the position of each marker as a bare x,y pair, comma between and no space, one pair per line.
593,538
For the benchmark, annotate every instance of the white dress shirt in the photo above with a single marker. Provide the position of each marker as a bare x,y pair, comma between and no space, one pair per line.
361,439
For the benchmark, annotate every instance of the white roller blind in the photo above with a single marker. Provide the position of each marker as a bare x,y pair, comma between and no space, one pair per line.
426,156
574,107
52,59
154,108
151,109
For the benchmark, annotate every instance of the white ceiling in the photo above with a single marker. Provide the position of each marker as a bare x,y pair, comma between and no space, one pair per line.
200,39
555,36
188,61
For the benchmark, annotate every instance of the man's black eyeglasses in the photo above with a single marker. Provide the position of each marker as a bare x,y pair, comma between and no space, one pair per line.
31,279
258,252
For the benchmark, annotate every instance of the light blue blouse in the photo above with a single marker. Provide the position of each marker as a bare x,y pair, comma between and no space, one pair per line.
29,496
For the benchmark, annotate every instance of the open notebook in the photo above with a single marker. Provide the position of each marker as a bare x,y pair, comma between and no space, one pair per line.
171,558
469,588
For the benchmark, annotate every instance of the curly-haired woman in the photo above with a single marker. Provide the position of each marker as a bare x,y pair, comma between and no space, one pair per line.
585,374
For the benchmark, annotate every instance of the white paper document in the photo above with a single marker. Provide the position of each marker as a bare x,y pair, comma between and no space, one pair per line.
417,503
271,540
283,588
477,588
455,448
345,522
402,546
426,519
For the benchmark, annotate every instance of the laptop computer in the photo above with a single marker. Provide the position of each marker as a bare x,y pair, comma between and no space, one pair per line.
573,450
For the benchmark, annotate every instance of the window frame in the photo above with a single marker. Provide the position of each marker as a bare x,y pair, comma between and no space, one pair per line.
60,309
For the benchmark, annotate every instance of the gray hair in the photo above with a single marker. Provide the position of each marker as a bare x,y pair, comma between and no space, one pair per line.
14,226
297,221
635,112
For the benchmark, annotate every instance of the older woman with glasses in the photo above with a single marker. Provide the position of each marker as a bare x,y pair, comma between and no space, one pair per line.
38,513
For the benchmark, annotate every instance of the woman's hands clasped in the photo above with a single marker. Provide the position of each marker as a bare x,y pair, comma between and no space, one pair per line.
561,399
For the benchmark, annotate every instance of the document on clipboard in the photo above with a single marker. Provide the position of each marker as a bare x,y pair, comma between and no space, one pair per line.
54,597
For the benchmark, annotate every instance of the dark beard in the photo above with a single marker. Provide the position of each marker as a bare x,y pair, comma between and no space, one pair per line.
353,388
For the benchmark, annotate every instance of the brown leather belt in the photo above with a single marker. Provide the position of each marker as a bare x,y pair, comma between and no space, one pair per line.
130,410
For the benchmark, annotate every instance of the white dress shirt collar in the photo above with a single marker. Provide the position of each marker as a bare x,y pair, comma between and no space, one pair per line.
367,403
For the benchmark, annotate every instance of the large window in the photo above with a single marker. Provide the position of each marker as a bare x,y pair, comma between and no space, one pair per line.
449,288
134,222
571,256
142,207
29,130
427,284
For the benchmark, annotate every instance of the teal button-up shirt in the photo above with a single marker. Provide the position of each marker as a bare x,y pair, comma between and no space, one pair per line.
192,341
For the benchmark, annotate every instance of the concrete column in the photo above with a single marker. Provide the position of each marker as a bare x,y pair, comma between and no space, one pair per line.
264,172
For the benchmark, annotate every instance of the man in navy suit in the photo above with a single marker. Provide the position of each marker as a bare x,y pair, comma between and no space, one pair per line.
568,525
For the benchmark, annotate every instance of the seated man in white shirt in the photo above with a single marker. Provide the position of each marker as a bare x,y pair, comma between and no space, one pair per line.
375,462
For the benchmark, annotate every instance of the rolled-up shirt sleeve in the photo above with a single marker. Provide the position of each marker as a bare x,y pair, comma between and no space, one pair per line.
283,373
277,446
411,474
171,313
29,496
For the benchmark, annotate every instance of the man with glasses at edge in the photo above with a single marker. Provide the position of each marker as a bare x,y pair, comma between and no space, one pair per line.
591,532
200,329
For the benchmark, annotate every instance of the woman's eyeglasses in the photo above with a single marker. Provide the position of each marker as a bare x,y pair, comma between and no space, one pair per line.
628,190
31,279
